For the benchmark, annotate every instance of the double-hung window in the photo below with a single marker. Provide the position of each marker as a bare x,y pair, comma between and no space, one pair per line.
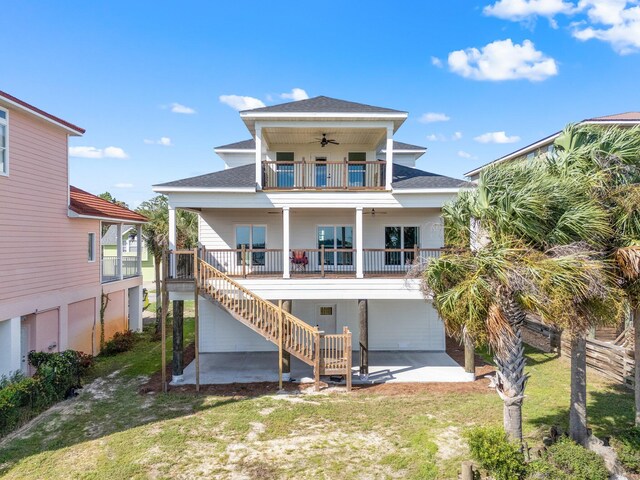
357,169
4,153
402,240
251,237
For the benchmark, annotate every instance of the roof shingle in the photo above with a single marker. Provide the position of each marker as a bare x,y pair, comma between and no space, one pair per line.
84,203
321,104
38,111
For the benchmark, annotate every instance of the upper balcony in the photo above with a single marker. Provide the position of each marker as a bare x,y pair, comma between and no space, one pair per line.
323,175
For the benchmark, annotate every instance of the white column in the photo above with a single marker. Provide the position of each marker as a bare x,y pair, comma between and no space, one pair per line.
15,362
258,156
119,249
389,158
359,243
172,239
63,327
139,250
286,243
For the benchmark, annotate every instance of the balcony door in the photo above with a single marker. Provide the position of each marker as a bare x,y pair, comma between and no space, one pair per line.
321,171
251,237
401,237
335,238
357,169
285,169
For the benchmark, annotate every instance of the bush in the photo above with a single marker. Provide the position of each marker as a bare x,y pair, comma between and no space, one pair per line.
566,460
627,445
121,342
491,448
57,374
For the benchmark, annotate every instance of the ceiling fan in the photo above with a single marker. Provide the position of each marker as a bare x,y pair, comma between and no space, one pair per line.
373,213
324,141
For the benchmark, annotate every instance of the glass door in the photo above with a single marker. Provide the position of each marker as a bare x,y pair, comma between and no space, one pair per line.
401,238
285,170
321,172
335,238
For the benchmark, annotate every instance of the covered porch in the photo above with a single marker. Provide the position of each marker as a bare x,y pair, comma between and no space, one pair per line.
384,367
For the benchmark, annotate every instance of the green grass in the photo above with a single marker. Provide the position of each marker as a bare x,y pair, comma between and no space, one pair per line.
111,431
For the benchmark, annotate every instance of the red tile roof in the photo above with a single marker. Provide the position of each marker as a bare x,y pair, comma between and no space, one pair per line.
86,204
38,111
622,117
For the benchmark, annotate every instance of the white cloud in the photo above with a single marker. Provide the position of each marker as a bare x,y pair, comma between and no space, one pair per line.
503,60
296,94
456,136
463,154
496,137
123,185
520,10
239,102
179,108
164,141
436,62
431,117
93,152
436,137
613,22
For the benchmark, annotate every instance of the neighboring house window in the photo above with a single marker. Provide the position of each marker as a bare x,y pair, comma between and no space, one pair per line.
92,247
336,238
357,171
4,153
251,237
401,238
285,172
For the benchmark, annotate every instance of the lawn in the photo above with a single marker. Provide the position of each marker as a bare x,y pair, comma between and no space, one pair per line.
111,431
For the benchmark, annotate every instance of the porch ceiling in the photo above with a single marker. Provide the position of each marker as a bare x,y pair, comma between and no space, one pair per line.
346,136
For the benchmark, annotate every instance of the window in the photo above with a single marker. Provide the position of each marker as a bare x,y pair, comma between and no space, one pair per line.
91,253
251,237
336,238
326,310
285,171
402,239
357,171
4,153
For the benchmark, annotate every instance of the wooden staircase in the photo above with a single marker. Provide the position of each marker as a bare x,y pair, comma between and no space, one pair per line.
327,354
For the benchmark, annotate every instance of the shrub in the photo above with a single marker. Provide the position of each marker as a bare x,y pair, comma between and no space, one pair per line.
56,375
491,448
566,460
627,445
121,342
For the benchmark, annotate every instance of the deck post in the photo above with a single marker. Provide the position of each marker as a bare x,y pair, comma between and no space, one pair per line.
280,337
165,306
172,239
286,356
244,261
363,317
316,368
322,260
469,355
389,158
349,354
196,280
177,357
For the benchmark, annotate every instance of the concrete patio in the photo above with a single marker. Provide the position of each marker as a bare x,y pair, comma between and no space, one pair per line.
385,367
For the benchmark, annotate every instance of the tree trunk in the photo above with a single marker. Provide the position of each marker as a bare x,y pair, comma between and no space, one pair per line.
636,340
510,380
578,409
157,261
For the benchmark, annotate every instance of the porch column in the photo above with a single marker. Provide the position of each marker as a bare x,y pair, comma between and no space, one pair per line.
286,356
258,156
172,240
119,272
363,317
359,244
389,158
139,250
15,341
285,244
177,364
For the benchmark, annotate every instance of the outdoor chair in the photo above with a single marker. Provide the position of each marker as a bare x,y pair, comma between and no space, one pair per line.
299,260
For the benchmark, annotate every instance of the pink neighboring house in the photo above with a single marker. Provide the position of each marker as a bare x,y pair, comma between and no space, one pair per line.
53,275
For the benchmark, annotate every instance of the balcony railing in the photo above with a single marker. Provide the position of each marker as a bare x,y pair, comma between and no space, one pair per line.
111,268
302,175
309,262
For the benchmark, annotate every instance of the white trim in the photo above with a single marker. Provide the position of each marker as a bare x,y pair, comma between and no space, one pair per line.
72,214
429,190
286,242
382,115
234,150
395,150
359,242
5,122
39,115
161,189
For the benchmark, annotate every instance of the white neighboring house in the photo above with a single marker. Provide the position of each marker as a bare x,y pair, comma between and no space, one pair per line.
322,208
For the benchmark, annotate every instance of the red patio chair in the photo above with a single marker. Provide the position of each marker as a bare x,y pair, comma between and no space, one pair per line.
299,260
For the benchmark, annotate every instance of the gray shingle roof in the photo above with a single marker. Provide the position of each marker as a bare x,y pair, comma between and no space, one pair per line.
237,177
409,178
322,104
250,144
244,176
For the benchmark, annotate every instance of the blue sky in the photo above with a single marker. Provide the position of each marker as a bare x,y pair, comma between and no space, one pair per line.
522,67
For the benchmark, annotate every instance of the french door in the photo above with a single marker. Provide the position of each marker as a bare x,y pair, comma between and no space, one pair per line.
400,238
335,238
